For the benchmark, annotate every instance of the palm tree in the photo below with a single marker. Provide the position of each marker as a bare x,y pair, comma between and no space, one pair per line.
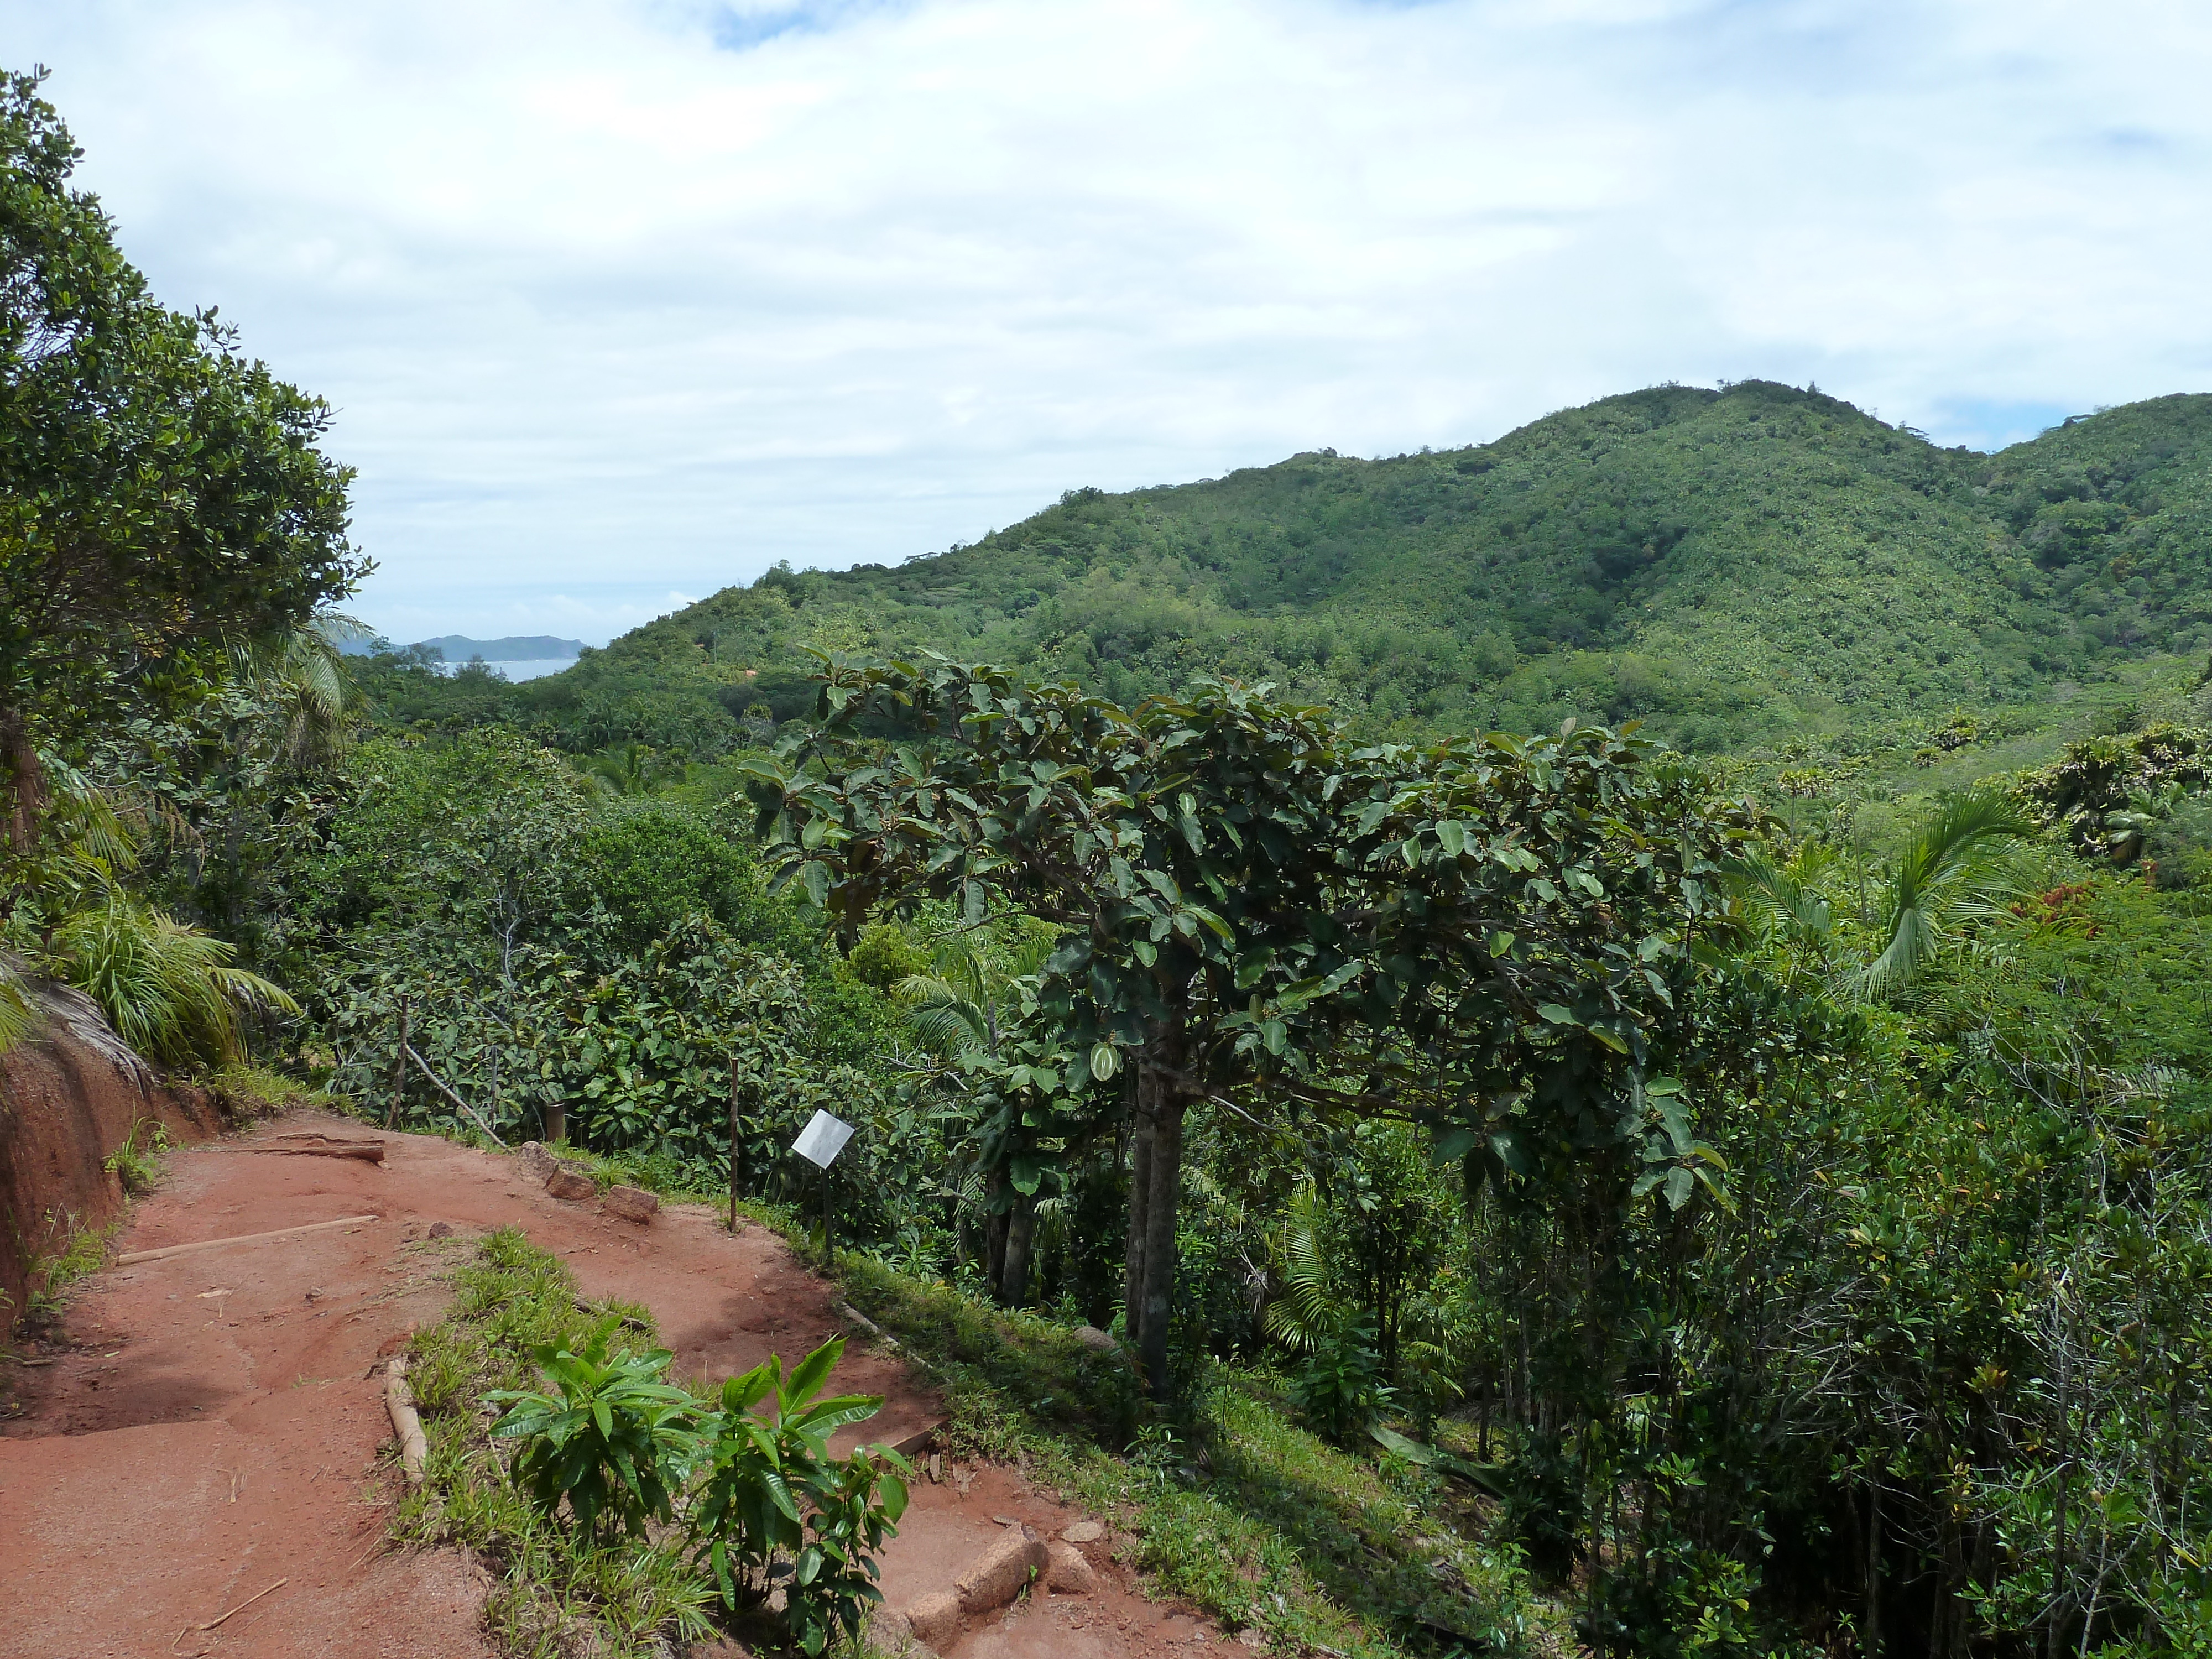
632,773
299,677
18,1013
1945,873
1784,897
960,1006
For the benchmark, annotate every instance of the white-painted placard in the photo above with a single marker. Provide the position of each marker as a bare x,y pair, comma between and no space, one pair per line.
822,1138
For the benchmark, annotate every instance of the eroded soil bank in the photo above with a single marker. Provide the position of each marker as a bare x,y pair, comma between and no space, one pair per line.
70,1094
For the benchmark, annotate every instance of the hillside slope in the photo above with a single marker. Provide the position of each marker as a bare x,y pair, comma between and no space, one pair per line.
1731,566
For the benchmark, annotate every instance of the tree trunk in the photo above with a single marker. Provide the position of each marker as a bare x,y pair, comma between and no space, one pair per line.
736,1171
28,796
1870,1640
1160,1237
398,1069
1141,1198
1021,1228
1155,1186
994,1231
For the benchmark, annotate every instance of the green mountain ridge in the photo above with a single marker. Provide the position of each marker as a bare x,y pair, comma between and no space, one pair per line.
1732,566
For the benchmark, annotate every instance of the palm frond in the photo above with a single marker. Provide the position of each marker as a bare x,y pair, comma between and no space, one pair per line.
169,990
97,825
19,1015
940,1017
1786,896
1310,1307
1945,866
960,968
301,678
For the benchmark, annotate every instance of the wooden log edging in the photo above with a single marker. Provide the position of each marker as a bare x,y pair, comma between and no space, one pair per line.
129,1258
400,1401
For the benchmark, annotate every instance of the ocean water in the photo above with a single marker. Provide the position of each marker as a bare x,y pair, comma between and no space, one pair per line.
528,669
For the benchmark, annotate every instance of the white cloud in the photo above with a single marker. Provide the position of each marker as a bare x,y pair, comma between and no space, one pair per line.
618,298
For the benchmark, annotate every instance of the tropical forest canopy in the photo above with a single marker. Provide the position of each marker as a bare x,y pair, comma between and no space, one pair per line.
1733,568
1734,1186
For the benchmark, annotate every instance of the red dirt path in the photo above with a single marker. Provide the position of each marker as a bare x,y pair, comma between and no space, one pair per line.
204,1427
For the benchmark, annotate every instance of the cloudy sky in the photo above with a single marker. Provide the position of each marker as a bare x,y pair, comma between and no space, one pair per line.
620,302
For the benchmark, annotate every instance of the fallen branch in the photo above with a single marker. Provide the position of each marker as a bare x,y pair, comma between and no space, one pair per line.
130,1257
414,1449
852,1315
369,1151
438,1083
246,1603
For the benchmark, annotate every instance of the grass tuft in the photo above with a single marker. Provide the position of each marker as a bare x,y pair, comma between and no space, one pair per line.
252,1092
136,1166
51,1277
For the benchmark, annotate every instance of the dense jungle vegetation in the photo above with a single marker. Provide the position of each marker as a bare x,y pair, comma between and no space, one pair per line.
1738,1186
1739,567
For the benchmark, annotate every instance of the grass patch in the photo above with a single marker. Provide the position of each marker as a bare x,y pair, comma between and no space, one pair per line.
248,1092
551,1597
655,1172
51,1277
138,1167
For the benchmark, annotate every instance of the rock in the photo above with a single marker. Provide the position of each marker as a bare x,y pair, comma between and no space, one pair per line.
1083,1532
1097,1340
565,1182
1068,1572
1002,1571
536,1162
889,1631
632,1203
935,1619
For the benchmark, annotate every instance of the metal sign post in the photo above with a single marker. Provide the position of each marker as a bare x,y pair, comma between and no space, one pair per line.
819,1143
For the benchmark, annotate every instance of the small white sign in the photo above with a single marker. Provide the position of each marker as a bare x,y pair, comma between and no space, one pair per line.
821,1139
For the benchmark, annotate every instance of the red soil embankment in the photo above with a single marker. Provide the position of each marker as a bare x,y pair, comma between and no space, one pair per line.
71,1096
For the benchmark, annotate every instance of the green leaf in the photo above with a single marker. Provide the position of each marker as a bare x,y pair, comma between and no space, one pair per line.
1412,1450
1453,1144
811,1372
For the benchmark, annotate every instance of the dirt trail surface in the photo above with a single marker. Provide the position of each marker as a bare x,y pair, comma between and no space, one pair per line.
205,1425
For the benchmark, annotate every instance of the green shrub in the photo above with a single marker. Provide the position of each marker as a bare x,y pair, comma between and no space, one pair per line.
772,1491
1339,1388
168,989
613,1443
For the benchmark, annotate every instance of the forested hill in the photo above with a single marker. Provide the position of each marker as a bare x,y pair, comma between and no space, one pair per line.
1730,566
